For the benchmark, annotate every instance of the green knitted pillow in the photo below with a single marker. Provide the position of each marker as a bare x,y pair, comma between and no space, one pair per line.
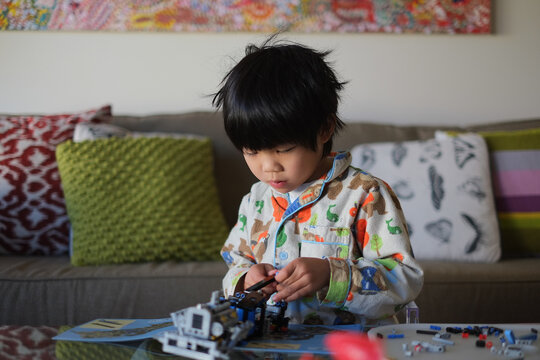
141,199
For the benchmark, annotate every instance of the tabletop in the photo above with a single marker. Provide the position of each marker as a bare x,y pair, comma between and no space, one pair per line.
458,341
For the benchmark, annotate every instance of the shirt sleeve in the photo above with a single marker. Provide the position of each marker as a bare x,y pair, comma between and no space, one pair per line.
236,251
381,275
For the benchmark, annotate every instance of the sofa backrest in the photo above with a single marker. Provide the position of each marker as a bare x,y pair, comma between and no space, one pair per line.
233,176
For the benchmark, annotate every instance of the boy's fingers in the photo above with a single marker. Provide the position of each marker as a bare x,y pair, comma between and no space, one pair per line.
283,274
269,290
290,294
273,272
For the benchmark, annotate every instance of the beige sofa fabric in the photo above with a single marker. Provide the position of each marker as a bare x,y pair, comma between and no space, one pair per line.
50,291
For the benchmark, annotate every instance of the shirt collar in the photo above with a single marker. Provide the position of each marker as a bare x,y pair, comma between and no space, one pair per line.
340,163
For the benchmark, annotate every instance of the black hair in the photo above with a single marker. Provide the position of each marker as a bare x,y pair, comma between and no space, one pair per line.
280,93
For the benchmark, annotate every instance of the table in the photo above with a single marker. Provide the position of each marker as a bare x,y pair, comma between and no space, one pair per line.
394,336
35,342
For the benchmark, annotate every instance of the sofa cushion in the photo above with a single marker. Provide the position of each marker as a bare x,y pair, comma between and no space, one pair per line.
33,213
444,187
503,292
515,165
76,294
141,199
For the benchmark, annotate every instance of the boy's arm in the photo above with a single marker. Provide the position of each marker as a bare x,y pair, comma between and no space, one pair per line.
383,275
237,253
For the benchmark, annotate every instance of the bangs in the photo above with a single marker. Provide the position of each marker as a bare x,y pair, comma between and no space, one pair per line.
255,129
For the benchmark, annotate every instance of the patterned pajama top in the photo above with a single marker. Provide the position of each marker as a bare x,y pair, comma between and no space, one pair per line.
349,217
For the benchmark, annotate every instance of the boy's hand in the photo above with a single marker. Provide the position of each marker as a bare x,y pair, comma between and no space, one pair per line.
302,277
257,273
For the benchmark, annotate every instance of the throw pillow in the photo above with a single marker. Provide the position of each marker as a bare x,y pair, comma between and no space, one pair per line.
445,191
93,131
141,199
33,216
515,164
103,130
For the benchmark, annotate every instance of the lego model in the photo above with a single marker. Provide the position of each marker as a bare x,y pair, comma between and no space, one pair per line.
211,330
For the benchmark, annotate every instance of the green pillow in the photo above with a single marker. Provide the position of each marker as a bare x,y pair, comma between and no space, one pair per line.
141,199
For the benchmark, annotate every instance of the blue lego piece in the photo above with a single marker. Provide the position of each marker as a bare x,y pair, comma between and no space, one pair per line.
509,335
531,336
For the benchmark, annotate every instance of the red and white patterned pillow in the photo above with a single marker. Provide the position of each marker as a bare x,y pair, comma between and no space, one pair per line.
33,217
27,342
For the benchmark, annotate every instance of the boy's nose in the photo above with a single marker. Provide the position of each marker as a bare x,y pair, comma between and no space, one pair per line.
271,165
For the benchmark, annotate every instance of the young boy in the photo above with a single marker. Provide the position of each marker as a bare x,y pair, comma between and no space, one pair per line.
334,237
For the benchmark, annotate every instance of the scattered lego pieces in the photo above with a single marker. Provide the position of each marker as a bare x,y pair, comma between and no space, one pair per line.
395,335
406,350
441,339
454,330
427,332
480,343
427,346
513,351
508,345
527,339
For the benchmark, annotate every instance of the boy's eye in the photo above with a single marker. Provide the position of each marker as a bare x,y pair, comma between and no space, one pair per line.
249,152
286,149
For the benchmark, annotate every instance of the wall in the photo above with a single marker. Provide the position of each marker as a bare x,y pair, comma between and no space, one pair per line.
435,79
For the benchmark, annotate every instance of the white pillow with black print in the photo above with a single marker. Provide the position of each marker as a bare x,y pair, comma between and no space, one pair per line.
445,190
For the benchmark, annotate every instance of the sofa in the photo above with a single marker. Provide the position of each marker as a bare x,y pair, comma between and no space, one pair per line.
49,290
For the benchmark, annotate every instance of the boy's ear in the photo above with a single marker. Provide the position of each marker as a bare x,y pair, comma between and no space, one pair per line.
326,134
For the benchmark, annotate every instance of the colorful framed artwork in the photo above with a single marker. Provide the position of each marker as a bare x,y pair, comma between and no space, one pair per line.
351,16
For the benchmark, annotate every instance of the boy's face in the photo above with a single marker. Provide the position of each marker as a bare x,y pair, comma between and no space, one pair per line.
287,167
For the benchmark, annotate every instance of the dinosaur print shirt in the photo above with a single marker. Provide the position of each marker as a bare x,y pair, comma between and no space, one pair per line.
349,217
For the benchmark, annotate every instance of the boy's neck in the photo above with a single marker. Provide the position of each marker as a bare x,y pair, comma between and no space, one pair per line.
324,166
293,194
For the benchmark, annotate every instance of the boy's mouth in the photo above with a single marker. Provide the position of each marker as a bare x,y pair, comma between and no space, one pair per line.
277,184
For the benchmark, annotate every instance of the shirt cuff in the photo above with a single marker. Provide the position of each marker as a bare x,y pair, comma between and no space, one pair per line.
338,287
237,283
